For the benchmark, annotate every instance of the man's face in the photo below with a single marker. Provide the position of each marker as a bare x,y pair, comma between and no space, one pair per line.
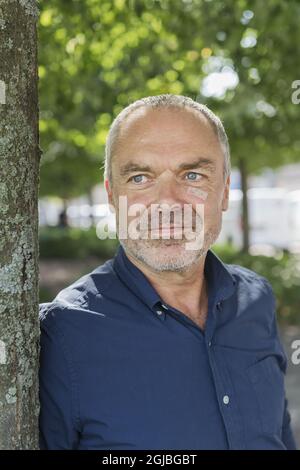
169,157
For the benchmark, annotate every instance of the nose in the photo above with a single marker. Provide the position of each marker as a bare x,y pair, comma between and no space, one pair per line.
167,189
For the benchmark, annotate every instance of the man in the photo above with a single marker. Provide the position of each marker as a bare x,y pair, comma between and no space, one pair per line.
164,346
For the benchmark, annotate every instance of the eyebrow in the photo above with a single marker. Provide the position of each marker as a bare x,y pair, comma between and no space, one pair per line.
131,167
204,163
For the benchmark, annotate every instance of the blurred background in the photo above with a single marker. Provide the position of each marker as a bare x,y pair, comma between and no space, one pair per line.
239,57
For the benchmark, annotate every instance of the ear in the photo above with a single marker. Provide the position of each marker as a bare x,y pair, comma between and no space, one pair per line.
109,192
225,201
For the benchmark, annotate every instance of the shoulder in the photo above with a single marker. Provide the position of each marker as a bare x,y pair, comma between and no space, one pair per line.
249,280
256,308
82,296
254,298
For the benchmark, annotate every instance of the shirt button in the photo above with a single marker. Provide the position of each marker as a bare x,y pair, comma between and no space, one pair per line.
209,343
159,312
226,399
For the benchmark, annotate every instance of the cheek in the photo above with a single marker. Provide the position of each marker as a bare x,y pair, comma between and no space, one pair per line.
137,204
213,211
196,195
211,208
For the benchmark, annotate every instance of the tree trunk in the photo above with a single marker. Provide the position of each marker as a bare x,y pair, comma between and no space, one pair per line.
245,212
19,179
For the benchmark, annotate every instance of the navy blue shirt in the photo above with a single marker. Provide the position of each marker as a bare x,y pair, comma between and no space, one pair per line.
120,369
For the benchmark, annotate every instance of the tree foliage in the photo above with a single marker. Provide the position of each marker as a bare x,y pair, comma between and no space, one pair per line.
97,57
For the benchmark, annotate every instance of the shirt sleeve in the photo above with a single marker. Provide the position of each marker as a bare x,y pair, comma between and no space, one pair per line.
58,422
287,434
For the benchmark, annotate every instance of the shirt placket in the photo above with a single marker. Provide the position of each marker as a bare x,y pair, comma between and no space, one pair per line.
226,397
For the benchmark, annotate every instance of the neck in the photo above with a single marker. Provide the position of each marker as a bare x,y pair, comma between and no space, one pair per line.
186,291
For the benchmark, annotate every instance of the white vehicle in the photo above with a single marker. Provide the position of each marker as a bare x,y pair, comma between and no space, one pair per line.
268,217
272,218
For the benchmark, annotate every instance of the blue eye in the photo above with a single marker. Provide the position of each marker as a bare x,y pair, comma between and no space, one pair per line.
138,179
194,176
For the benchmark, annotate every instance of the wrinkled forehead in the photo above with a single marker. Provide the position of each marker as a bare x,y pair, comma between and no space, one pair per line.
145,121
166,136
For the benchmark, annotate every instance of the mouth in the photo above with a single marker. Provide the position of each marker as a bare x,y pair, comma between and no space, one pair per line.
168,227
171,231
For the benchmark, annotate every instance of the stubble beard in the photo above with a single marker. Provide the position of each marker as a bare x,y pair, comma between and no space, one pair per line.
170,254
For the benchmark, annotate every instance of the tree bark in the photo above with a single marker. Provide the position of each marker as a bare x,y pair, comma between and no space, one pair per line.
245,212
19,180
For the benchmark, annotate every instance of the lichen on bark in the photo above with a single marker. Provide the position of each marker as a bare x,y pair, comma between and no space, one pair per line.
30,7
19,180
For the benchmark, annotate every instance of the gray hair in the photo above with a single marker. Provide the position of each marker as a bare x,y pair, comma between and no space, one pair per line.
165,101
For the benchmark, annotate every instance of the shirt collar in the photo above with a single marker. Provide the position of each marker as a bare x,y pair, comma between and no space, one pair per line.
134,278
220,281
